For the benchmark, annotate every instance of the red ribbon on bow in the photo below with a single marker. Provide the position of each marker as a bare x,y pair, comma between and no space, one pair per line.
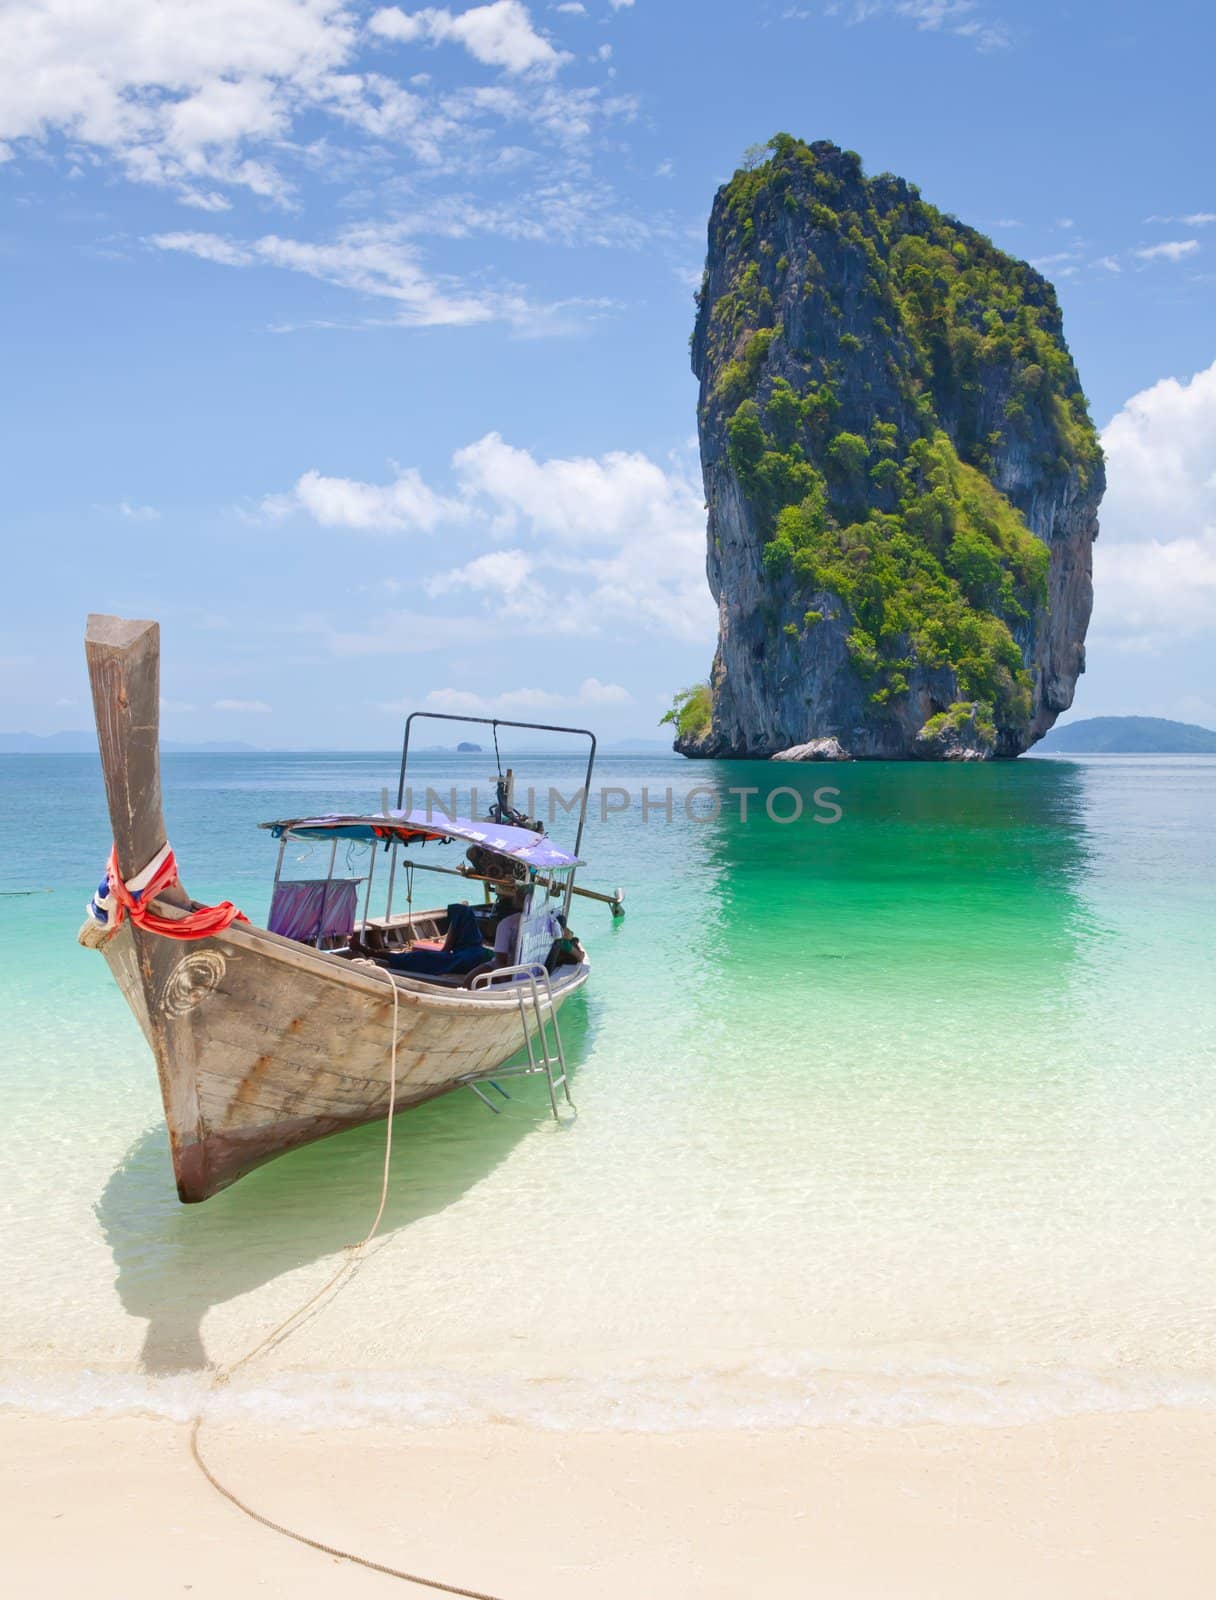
197,924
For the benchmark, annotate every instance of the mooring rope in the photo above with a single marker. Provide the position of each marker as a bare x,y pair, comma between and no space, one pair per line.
223,1374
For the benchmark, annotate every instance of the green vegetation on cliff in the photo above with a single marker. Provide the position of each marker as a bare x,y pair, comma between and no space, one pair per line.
937,580
690,711
958,717
871,359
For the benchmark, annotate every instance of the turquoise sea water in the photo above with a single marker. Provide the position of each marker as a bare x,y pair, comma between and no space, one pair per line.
909,1115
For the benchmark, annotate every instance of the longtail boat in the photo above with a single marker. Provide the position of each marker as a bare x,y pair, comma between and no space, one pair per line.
266,1039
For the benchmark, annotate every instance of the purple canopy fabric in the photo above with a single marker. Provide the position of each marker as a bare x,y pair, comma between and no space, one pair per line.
312,909
521,844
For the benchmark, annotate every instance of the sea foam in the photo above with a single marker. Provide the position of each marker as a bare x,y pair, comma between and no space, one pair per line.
759,1397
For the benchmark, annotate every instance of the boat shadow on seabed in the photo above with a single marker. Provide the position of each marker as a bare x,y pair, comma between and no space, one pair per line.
175,1263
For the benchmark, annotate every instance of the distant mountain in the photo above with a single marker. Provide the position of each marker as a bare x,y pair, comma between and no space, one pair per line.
1129,736
211,747
40,744
85,744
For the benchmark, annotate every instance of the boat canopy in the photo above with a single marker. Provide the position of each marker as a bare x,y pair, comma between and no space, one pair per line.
417,827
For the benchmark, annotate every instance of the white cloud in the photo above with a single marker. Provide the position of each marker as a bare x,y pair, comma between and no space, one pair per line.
204,200
508,584
620,5
594,693
1171,250
500,571
404,505
954,16
564,115
589,499
963,18
572,8
1107,263
1155,563
622,539
200,100
567,211
408,633
631,533
467,702
258,706
1151,593
137,513
172,95
1161,461
207,246
498,35
376,259
1195,219
612,541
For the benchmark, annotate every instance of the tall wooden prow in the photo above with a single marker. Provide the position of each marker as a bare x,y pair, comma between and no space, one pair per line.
124,675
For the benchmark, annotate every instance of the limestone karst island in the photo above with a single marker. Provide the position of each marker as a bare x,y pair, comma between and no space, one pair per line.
901,476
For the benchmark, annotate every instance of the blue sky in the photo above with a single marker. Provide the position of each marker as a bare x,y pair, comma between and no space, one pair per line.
350,341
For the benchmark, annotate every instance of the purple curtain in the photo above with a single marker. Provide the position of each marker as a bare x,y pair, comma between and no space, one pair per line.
310,909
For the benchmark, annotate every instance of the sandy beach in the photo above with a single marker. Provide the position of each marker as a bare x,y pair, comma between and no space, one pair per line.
1119,1505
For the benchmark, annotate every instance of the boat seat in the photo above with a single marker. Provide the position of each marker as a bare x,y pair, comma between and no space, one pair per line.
441,980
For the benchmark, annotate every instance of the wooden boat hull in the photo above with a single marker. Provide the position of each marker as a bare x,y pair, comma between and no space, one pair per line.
263,1045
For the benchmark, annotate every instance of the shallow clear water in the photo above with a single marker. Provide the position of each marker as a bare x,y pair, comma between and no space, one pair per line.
907,1115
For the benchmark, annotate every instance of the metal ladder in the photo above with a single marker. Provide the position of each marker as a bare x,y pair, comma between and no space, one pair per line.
534,991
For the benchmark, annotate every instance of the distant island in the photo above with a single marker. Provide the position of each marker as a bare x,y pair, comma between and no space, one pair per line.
1129,736
85,744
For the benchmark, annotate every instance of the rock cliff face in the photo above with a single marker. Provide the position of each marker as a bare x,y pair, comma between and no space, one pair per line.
901,474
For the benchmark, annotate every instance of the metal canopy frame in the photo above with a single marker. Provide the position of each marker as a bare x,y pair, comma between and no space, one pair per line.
501,722
553,877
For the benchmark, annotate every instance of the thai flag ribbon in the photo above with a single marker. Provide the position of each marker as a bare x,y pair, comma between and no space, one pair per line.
116,899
